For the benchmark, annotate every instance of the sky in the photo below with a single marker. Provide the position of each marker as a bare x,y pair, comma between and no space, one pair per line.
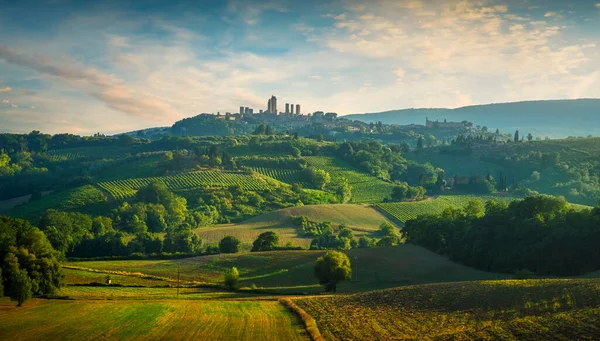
113,66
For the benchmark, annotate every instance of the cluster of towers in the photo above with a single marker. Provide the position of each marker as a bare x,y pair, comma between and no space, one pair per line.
272,108
246,111
289,108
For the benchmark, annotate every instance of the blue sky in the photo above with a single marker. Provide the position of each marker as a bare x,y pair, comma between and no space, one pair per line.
89,66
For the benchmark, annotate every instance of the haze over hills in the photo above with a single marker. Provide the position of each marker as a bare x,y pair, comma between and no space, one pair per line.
553,118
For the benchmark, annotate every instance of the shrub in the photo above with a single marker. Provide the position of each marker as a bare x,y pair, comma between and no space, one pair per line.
231,278
230,244
266,241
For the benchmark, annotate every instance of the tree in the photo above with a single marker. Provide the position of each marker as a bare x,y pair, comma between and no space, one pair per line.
266,241
182,240
420,142
155,192
20,287
399,192
230,244
331,269
516,136
529,137
231,278
25,247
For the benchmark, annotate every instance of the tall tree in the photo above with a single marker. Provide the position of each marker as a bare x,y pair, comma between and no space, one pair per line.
516,136
332,268
420,142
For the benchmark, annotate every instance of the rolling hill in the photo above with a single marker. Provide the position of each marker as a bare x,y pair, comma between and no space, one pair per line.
292,271
541,118
556,309
360,218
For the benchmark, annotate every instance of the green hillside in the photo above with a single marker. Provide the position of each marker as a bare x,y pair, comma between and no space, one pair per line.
360,218
292,271
487,310
404,211
365,188
85,199
126,188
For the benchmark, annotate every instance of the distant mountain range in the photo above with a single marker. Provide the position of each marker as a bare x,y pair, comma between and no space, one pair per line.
554,118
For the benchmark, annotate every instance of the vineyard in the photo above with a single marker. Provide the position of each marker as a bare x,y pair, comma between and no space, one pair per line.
70,154
87,199
553,309
123,189
289,176
404,211
365,188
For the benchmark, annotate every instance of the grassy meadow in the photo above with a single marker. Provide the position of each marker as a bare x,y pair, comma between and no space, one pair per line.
160,319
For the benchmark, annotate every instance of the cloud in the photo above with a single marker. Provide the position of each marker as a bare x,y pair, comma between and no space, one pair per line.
6,89
105,87
598,5
400,72
549,14
5,101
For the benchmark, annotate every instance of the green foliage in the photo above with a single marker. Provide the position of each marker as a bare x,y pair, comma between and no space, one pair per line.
230,244
266,241
182,240
231,278
65,230
403,191
26,252
540,233
317,177
332,268
20,287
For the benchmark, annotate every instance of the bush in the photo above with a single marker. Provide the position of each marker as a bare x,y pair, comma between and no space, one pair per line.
231,278
230,244
266,241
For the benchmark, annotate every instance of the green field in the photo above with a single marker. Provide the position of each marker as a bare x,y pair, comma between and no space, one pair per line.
86,199
292,271
360,218
404,211
87,277
365,188
489,310
126,188
289,176
153,319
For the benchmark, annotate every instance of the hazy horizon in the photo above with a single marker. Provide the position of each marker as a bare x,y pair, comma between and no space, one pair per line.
84,67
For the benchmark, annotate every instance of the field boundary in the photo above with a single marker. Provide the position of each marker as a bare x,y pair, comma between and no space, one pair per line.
309,322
